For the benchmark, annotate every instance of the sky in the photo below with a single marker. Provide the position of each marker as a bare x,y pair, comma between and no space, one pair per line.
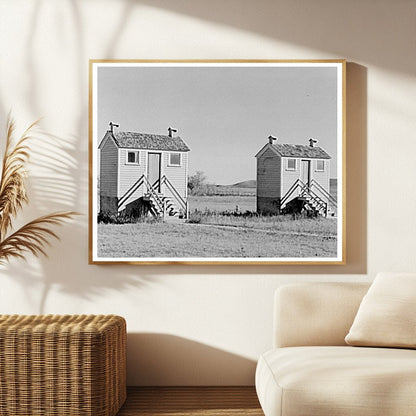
224,114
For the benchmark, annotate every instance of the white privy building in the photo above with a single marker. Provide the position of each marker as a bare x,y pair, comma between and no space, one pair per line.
294,177
143,173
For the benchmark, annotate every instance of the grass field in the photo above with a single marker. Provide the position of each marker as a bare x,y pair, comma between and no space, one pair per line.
283,224
194,240
222,203
216,232
223,198
221,236
221,190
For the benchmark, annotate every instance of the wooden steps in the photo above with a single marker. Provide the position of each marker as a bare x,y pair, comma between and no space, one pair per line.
312,197
158,201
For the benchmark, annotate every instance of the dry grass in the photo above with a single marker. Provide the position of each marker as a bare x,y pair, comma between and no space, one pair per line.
193,240
214,234
35,235
222,203
278,223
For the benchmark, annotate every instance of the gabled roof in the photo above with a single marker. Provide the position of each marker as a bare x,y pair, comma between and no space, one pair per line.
128,139
296,150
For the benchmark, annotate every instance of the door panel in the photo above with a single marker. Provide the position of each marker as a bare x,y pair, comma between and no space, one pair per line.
305,172
153,169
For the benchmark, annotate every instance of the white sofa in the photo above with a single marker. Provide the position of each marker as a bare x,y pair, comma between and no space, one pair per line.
311,371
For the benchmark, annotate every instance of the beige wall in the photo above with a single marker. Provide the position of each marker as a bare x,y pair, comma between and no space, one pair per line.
205,325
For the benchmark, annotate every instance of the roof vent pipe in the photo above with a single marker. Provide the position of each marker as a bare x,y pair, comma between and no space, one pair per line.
271,139
170,131
312,142
112,125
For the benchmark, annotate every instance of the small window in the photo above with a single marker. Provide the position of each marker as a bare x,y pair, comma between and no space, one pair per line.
320,165
291,164
174,159
132,158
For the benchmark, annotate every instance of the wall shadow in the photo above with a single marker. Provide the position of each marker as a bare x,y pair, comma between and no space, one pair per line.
64,183
169,360
338,28
54,185
58,180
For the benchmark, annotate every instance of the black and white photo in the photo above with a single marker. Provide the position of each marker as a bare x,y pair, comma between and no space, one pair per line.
217,162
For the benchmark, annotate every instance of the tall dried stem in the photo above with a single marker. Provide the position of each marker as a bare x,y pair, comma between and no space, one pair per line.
34,236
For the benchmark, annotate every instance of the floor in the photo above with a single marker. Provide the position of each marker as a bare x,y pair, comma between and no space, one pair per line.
195,401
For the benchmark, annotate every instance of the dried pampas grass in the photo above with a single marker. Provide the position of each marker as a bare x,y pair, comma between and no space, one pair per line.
34,236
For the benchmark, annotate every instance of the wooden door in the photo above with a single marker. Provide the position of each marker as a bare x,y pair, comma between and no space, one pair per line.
153,170
305,172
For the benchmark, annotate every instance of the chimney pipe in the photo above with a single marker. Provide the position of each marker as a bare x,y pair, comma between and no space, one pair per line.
312,142
271,139
170,131
112,125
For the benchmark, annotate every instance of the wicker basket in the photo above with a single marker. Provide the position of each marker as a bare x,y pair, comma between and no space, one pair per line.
54,365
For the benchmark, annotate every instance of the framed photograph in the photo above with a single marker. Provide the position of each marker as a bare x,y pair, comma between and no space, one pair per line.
217,162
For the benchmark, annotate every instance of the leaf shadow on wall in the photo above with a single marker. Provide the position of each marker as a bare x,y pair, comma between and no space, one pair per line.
52,187
63,183
59,181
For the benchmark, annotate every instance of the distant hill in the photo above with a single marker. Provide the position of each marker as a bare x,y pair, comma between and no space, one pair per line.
246,184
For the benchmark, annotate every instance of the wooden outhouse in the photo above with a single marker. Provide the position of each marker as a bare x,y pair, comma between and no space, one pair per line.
292,177
142,173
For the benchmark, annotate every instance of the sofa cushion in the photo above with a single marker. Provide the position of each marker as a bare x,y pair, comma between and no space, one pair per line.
315,314
387,314
342,381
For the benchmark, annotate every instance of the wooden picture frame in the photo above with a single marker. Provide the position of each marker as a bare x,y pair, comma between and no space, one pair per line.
217,162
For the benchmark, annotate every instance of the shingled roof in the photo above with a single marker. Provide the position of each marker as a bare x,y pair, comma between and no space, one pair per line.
146,141
299,150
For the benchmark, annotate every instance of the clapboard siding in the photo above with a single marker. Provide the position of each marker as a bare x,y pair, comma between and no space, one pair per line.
130,174
321,177
177,175
108,169
268,175
289,177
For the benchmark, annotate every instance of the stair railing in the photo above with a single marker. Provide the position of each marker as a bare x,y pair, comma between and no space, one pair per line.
320,203
305,190
131,191
152,190
154,194
297,184
331,199
176,195
157,185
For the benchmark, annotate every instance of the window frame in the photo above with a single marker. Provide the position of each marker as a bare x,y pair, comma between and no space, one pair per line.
294,169
323,165
175,164
137,157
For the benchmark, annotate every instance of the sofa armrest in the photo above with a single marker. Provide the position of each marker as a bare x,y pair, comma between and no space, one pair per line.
309,314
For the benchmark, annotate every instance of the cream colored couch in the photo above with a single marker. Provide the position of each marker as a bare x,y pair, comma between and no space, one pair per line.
312,371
